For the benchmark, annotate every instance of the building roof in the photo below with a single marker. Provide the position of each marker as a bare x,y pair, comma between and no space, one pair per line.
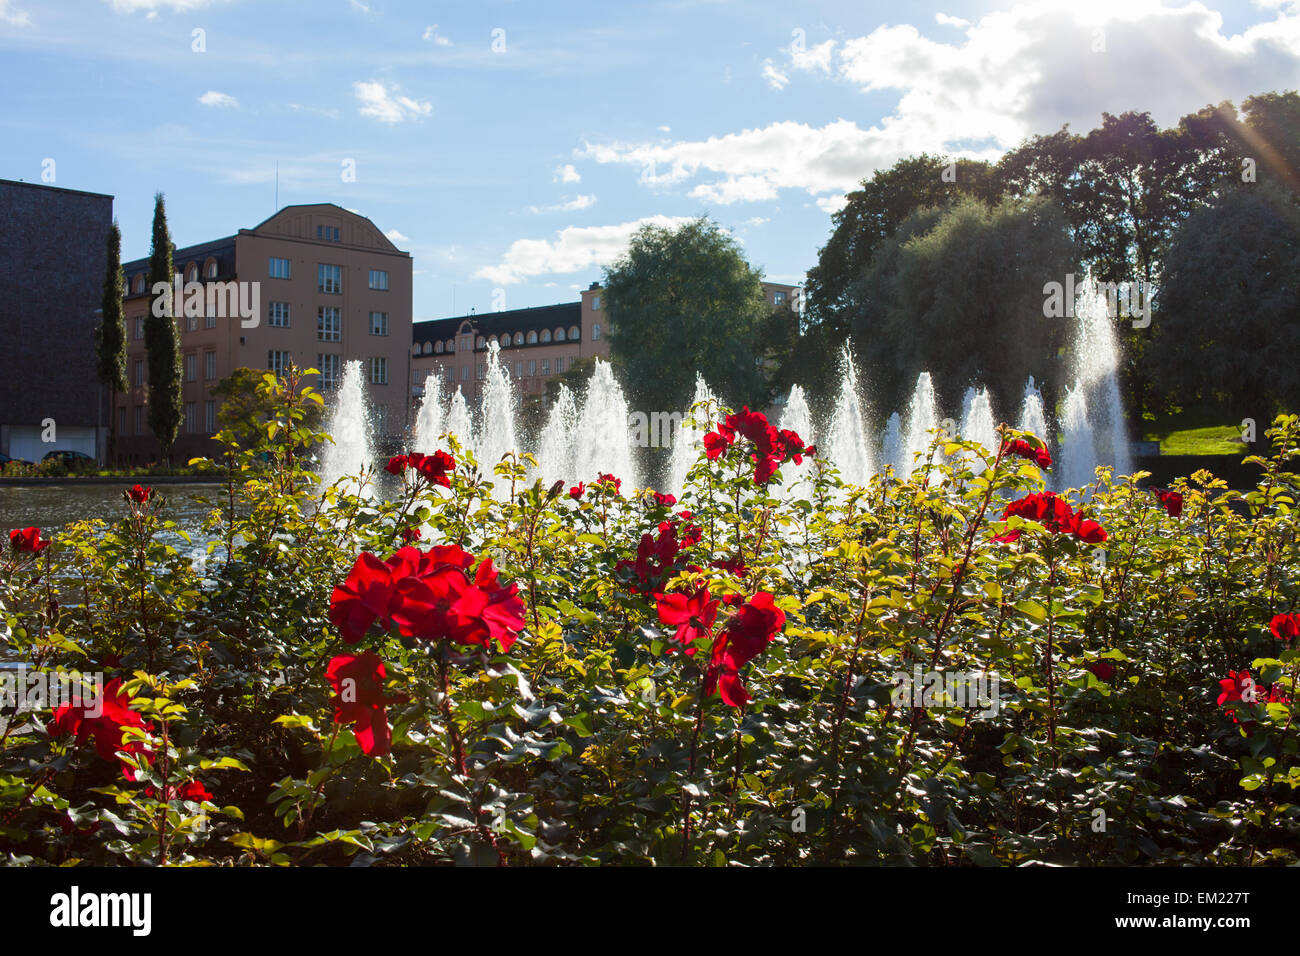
223,250
58,189
564,314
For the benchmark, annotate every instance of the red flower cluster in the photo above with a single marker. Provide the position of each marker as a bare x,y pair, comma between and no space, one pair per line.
610,482
433,468
1055,515
577,491
1023,449
745,635
1285,627
772,447
428,595
1240,688
140,495
115,716
657,559
29,540
193,790
411,534
1102,670
1172,501
665,501
359,700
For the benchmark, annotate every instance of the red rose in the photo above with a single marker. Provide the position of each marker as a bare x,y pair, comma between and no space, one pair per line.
1172,501
665,501
715,445
29,540
577,491
433,468
1023,449
1285,627
692,615
140,495
397,464
746,636
610,483
193,790
1055,515
359,700
1104,670
411,534
115,715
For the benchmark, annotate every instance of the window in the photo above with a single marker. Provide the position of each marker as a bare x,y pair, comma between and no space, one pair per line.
437,346
451,345
329,370
532,367
491,339
139,284
519,370
778,298
329,279
191,323
328,233
210,319
546,335
139,419
466,343
139,371
192,272
378,371
277,362
139,328
277,315
210,416
378,323
379,280
595,332
559,365
559,335
481,343
380,413
519,338
546,366
532,338
191,417
210,270
595,303
209,366
191,367
574,333
329,326
478,371
464,373
278,268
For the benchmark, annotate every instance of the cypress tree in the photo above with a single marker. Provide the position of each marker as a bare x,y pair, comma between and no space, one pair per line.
111,338
162,338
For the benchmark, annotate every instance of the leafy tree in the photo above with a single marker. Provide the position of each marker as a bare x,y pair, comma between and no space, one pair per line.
247,405
1228,328
685,299
959,293
162,339
111,337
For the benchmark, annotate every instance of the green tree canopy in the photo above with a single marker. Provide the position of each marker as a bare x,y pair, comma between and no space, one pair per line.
245,411
162,338
682,300
111,334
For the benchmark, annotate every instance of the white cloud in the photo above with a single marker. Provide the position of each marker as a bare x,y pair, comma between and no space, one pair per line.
213,98
572,205
395,236
358,6
755,221
10,14
573,249
665,129
814,58
431,33
775,78
832,204
385,104
1010,74
567,174
944,20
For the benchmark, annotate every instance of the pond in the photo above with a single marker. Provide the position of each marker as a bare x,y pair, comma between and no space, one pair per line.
54,506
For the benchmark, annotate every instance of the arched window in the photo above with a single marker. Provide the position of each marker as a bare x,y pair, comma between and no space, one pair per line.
492,340
574,333
451,345
519,338
192,272
428,348
139,284
546,335
415,349
481,342
210,268
532,338
437,346
559,335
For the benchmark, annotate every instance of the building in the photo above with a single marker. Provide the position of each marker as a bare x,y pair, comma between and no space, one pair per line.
536,344
52,263
315,285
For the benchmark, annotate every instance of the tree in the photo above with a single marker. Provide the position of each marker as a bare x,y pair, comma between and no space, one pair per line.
1228,327
244,410
958,292
111,335
162,338
682,300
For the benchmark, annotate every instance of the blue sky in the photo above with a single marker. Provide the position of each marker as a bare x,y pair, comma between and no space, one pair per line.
515,145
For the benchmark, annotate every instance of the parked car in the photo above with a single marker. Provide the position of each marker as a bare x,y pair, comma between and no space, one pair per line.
73,460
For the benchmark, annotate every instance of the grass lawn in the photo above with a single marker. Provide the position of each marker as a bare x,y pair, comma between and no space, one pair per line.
1195,433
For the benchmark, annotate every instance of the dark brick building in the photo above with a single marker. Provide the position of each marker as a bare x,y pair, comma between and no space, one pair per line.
52,263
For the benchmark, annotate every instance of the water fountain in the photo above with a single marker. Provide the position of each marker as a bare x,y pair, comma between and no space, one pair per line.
1032,417
798,418
428,420
1096,369
978,423
689,440
558,439
349,424
891,442
846,438
494,435
1078,452
922,419
603,443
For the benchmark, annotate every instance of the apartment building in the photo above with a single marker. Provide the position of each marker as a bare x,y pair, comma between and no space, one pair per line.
326,286
536,344
52,265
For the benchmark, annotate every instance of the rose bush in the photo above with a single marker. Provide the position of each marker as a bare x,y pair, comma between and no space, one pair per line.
590,673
